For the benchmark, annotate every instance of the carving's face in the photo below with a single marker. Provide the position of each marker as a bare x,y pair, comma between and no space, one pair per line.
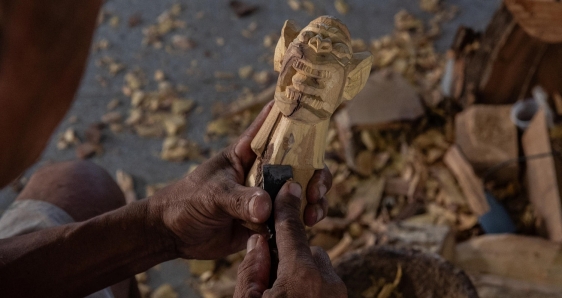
313,73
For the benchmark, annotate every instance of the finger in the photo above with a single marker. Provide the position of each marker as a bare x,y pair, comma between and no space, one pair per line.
313,213
324,264
290,234
242,148
253,272
318,185
251,204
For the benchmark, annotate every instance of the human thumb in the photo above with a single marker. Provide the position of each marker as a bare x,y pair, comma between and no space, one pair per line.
253,272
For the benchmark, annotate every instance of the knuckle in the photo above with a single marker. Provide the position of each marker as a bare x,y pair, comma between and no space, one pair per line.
236,203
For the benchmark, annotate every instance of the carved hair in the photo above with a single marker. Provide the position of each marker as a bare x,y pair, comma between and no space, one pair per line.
329,21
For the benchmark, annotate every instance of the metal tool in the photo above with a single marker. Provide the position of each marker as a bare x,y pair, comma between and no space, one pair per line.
274,177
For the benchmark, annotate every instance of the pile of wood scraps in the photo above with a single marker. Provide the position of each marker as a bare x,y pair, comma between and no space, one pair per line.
428,156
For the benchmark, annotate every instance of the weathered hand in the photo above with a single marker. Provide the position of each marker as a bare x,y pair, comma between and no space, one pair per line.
203,212
302,271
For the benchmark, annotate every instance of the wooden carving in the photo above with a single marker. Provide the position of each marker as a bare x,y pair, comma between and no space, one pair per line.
317,72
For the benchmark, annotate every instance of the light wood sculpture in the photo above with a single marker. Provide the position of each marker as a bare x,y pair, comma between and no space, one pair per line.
317,71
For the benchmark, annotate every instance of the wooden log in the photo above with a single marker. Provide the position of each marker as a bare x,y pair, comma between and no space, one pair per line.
514,54
543,176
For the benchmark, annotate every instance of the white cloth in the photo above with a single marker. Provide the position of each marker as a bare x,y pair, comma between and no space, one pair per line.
26,216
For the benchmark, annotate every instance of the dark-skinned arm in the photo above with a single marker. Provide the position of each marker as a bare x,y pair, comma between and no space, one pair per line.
43,50
78,259
199,217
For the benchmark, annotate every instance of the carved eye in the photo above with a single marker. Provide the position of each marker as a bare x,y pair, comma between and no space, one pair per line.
306,36
341,50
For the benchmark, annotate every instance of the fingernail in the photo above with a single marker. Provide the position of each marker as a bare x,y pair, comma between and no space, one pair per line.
319,213
322,190
253,209
258,210
295,189
252,241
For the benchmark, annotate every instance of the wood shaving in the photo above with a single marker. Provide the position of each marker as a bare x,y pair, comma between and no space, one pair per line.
341,6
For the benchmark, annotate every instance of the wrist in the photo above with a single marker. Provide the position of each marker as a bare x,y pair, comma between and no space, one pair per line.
158,234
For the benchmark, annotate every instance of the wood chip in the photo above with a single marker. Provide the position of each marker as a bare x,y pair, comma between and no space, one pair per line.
126,184
341,6
245,71
341,247
471,185
182,42
111,117
87,150
243,9
165,291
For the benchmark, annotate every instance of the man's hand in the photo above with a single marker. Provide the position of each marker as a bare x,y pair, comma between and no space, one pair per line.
204,211
302,271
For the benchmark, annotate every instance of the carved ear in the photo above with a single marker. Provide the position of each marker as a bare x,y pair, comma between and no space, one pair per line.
357,78
289,32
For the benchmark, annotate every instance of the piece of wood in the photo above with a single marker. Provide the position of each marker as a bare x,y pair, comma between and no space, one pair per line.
251,102
126,184
453,195
487,137
386,98
471,185
317,72
531,259
541,19
492,286
429,238
543,176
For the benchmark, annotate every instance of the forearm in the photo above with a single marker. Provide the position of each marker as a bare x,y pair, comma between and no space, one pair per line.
78,259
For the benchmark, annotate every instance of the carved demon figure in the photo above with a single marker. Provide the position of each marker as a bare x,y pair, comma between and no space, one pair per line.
317,71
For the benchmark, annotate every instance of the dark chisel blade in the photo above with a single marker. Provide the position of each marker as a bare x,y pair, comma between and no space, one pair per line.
274,177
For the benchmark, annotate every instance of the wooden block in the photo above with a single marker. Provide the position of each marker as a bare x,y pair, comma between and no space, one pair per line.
525,258
386,98
471,185
487,137
543,176
430,238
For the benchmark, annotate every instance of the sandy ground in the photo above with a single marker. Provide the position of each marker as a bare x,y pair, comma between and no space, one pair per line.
138,156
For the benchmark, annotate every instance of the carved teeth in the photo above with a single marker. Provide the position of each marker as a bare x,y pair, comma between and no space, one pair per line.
317,73
293,94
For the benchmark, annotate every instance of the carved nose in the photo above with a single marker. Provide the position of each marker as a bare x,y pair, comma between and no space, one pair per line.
320,45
